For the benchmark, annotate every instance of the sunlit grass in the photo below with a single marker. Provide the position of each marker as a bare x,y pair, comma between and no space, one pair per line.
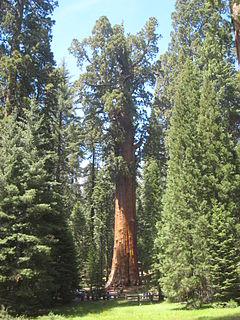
121,310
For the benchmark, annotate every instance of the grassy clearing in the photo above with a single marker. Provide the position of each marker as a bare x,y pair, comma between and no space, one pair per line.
122,310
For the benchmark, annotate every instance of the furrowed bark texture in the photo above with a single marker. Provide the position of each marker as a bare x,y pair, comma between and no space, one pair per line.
235,11
124,269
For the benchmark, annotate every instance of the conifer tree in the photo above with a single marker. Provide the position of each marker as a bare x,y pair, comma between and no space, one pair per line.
181,240
202,188
103,199
151,187
26,59
191,21
218,164
118,69
93,235
37,255
66,133
201,32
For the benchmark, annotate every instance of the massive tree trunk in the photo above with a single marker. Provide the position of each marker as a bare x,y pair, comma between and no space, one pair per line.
124,269
118,69
235,11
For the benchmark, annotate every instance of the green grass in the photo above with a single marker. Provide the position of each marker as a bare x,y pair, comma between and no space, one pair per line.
122,310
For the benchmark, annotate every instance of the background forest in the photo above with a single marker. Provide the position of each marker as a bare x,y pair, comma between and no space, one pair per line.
60,155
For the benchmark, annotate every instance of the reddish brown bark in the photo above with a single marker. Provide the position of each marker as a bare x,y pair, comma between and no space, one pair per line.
124,269
235,12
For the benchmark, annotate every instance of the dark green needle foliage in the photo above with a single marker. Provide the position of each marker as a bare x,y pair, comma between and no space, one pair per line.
198,235
103,200
26,238
220,189
26,59
150,191
36,259
181,240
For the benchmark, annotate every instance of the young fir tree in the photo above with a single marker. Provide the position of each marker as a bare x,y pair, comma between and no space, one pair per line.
37,257
94,235
220,190
202,32
151,188
209,197
65,133
181,241
103,199
218,133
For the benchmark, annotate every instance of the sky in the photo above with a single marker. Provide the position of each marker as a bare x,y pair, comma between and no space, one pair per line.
76,18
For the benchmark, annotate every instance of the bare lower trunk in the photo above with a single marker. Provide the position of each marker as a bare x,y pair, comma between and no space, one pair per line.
235,11
124,269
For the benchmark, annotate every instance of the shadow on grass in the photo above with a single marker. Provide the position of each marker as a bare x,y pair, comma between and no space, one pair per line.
227,317
80,309
236,317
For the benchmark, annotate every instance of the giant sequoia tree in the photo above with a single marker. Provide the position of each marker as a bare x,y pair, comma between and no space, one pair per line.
118,69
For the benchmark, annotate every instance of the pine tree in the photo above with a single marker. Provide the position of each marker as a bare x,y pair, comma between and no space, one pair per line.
151,187
26,59
181,239
201,32
25,246
197,240
66,131
220,190
36,251
94,237
191,21
82,238
103,199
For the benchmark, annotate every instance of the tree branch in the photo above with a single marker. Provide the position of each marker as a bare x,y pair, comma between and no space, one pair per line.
142,56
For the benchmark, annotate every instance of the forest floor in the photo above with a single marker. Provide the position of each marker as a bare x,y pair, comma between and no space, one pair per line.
123,310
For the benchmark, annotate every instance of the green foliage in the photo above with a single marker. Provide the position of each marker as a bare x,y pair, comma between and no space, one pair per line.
81,234
4,315
150,190
181,240
230,304
195,21
25,208
103,199
198,241
93,235
92,268
25,55
189,235
119,67
36,251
